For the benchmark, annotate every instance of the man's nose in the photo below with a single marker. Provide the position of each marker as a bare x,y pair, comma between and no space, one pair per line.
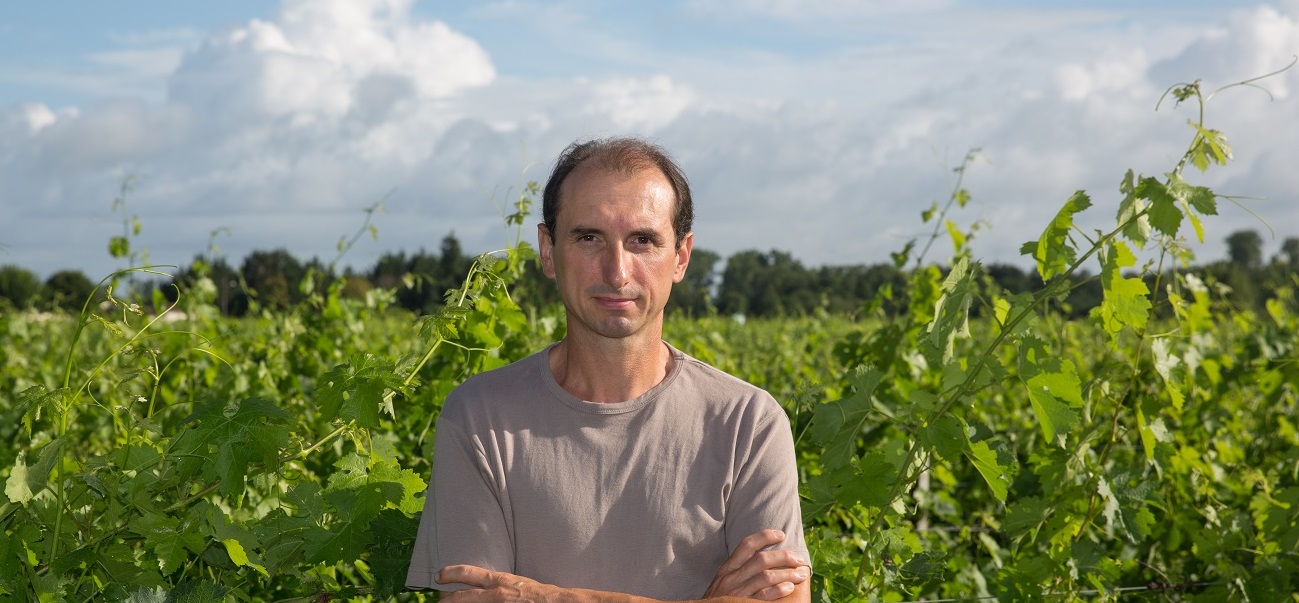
616,266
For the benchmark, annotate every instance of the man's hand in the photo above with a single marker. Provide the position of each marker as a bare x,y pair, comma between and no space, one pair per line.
492,587
766,579
757,574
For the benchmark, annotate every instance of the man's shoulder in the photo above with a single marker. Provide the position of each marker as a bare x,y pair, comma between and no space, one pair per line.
721,386
508,375
519,378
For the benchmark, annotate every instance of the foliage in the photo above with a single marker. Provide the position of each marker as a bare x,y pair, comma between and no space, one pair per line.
1025,457
67,289
19,286
957,437
278,457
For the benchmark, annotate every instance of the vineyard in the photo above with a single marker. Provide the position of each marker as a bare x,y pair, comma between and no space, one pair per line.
977,445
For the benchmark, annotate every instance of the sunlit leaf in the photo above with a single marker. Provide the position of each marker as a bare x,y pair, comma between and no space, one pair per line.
1054,252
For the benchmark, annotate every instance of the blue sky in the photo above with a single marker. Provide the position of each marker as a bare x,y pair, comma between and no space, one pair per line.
820,128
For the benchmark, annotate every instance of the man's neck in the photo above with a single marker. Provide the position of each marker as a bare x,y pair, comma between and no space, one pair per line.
604,370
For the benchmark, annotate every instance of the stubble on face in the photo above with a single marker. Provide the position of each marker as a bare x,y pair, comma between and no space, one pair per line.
614,253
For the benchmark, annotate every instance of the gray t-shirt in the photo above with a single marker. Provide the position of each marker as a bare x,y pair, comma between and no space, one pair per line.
646,497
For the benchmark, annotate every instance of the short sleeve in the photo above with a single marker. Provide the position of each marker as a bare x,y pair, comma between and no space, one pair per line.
765,493
463,520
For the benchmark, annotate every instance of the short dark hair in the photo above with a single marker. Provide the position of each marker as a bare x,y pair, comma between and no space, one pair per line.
623,155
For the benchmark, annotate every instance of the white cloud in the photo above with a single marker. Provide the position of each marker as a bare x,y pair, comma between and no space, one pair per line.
816,9
282,129
321,57
640,105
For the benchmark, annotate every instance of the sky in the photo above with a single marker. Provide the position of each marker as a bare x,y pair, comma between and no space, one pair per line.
821,128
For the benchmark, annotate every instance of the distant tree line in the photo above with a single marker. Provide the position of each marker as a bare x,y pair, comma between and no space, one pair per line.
752,283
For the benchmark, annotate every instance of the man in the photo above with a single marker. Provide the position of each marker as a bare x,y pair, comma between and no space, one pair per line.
611,467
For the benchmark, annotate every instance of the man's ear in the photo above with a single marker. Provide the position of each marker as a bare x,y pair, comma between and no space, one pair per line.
683,256
546,250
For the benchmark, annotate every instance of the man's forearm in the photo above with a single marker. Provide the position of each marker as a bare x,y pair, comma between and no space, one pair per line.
501,587
802,594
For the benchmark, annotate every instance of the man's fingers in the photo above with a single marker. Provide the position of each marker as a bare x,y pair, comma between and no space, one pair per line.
761,584
751,571
771,593
750,546
764,571
466,574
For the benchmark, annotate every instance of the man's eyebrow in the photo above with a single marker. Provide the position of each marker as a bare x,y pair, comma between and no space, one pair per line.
578,231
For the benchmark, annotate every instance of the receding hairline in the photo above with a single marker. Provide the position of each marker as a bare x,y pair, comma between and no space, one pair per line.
627,156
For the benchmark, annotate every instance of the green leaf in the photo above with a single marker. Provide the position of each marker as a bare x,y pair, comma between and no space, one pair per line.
1200,198
928,214
192,591
239,556
1054,417
355,391
1125,301
951,312
403,488
985,460
16,487
306,500
870,486
947,437
923,567
26,481
958,237
389,557
1054,253
837,425
235,436
1007,308
1170,369
170,542
37,401
1135,224
1095,563
344,541
1024,517
1152,432
119,247
1164,214
1209,146
145,594
284,538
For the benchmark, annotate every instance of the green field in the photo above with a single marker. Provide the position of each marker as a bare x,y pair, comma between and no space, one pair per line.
963,444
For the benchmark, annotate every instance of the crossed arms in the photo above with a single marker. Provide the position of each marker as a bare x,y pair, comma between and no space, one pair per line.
749,573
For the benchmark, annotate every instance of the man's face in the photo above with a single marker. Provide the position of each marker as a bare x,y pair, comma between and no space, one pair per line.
614,255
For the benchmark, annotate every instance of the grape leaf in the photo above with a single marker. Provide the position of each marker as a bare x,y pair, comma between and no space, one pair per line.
1053,252
145,594
1051,395
389,557
1054,417
1125,301
354,391
1135,224
168,540
36,401
1024,516
26,481
251,431
985,460
946,436
837,425
197,591
1170,369
951,312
